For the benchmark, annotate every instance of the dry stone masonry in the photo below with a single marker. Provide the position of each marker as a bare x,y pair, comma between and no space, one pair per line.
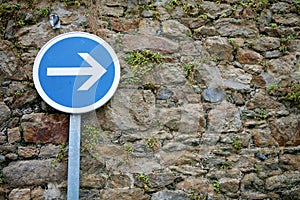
207,106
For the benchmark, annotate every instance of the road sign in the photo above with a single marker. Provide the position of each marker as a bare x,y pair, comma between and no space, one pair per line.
76,72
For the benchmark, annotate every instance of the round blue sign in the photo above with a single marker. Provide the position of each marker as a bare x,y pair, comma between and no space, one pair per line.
76,72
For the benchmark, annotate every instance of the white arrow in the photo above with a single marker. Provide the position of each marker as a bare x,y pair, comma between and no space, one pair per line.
95,71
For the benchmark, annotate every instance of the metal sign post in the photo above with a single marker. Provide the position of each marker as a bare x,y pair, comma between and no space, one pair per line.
76,73
74,157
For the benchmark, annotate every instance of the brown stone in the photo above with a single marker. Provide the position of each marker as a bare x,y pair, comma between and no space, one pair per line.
263,101
13,135
259,81
138,42
43,128
20,194
34,172
247,56
287,179
37,194
119,181
4,112
27,152
289,162
122,24
92,180
286,130
202,186
219,48
124,194
229,185
263,138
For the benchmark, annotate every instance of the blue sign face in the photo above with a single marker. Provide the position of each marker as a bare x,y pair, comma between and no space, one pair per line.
76,72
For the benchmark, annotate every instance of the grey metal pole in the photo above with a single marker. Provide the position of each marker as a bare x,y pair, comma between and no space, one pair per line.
74,157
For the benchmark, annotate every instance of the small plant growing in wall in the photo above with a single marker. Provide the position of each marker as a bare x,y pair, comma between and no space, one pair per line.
293,95
142,62
144,180
189,72
216,186
237,144
152,144
90,139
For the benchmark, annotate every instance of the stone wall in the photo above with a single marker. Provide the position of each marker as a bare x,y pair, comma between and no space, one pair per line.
207,107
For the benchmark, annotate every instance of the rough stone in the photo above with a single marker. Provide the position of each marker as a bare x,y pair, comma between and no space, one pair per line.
124,25
9,68
173,29
4,113
235,28
263,138
139,42
92,180
194,22
247,56
119,181
49,151
19,194
234,75
229,185
219,48
282,181
34,172
37,194
264,43
286,130
149,27
289,162
42,128
282,66
27,152
224,118
202,186
216,9
53,192
262,101
287,19
213,95
170,195
13,135
124,194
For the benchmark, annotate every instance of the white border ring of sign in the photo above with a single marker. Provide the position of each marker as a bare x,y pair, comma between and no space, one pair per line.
88,108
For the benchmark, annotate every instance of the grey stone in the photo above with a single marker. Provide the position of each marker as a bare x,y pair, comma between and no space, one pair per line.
224,118
139,42
173,29
235,28
20,194
34,172
27,152
216,9
287,179
49,151
4,113
13,135
291,19
124,194
53,192
265,43
218,48
170,195
213,95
